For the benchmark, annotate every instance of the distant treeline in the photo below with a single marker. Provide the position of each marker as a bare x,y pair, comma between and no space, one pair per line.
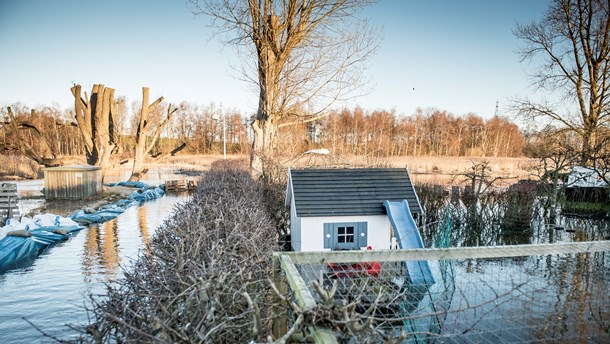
425,133
349,131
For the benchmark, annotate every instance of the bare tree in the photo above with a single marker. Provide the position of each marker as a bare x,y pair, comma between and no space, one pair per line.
46,157
480,178
601,157
95,117
146,142
574,41
555,152
305,55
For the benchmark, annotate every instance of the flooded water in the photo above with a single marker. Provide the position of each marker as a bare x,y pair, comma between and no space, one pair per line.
54,289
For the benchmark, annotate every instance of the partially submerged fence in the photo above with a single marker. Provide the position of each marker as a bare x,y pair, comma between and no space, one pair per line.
8,201
504,294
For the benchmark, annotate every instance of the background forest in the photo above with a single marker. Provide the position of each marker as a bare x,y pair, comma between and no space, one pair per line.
51,131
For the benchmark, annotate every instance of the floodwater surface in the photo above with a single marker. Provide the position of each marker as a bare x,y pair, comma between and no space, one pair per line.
54,290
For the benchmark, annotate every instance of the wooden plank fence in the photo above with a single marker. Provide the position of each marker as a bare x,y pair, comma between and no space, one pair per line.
9,206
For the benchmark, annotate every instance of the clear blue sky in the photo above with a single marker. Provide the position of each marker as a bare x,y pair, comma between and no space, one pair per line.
453,55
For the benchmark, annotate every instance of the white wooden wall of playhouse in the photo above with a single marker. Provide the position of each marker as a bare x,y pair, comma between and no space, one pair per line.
308,234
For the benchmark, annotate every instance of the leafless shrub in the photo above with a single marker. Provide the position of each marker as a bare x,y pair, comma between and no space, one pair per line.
204,278
274,181
19,166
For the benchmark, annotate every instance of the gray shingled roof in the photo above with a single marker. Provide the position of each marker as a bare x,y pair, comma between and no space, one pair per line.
334,192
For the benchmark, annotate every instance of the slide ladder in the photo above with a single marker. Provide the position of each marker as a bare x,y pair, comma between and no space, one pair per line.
408,237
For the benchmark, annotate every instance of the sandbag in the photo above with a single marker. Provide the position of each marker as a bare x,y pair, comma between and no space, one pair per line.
22,233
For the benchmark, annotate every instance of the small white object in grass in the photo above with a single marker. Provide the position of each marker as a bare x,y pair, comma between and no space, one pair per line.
322,151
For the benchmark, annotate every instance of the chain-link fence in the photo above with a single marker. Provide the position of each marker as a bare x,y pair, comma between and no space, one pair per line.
517,294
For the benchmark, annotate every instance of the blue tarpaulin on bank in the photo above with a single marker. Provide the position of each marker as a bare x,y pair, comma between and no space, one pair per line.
111,211
30,237
15,250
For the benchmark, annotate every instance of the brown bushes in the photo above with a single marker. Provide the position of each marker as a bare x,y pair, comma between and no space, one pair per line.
19,166
206,273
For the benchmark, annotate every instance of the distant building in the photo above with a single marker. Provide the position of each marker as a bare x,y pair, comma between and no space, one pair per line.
585,177
586,185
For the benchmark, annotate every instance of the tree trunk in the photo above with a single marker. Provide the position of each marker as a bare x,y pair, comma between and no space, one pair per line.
95,119
262,145
588,143
144,143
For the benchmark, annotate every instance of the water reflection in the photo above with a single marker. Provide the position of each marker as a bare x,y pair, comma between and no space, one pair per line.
53,290
490,221
143,229
102,249
109,248
556,298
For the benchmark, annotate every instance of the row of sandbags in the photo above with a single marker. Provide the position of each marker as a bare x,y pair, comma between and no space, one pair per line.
25,239
22,240
108,212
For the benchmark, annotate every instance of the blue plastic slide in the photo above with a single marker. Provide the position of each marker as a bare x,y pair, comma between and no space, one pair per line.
408,236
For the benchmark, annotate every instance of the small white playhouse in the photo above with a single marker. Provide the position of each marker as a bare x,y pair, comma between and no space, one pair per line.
343,209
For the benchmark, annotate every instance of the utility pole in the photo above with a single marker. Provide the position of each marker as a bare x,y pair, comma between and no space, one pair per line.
224,134
216,117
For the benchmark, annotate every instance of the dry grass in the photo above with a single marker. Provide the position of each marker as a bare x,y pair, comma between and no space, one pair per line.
195,162
428,170
18,167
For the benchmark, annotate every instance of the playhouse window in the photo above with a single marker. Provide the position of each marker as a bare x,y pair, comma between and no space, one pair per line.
345,236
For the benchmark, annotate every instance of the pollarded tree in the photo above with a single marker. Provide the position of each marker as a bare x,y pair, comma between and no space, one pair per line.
304,56
573,39
147,134
95,117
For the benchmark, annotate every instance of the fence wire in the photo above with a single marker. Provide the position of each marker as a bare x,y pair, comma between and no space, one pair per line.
504,294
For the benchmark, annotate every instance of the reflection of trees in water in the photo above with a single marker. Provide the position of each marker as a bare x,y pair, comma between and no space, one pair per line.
110,247
577,296
570,295
90,257
142,225
509,217
101,253
557,298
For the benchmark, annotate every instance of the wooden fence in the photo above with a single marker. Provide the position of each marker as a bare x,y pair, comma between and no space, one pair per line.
9,207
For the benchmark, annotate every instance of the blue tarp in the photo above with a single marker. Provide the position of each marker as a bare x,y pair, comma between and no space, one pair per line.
138,185
16,250
49,229
147,195
111,211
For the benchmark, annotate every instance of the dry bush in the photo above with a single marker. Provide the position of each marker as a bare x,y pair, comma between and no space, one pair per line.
274,182
205,275
19,166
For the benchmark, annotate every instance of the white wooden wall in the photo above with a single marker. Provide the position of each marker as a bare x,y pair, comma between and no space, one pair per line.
307,233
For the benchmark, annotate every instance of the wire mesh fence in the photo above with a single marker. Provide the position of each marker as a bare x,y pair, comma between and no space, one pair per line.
504,294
